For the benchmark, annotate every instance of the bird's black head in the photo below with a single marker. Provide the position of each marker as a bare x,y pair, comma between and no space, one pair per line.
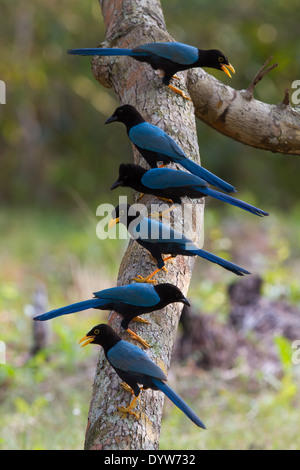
170,293
126,114
101,334
129,175
119,215
124,214
216,60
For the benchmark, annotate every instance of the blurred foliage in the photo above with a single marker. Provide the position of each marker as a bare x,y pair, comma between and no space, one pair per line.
53,141
235,412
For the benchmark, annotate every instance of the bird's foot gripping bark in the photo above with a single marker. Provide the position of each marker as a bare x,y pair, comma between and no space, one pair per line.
138,338
179,92
149,279
129,409
126,387
140,196
141,320
158,214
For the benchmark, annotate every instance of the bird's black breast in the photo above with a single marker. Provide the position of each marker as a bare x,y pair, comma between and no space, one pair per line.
134,380
169,67
152,157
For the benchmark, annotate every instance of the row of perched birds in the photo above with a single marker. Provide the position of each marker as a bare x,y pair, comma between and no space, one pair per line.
130,301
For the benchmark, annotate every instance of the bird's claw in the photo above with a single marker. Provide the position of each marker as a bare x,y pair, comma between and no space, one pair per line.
141,320
127,410
138,338
140,196
147,279
126,387
163,215
143,342
179,92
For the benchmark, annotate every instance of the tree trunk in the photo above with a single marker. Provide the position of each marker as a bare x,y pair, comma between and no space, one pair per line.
128,24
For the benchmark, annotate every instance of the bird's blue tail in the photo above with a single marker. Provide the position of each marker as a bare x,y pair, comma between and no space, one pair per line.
209,177
178,401
220,261
105,51
78,307
233,201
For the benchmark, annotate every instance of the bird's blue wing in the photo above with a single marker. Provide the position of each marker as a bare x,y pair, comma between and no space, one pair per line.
153,231
150,137
131,358
162,178
175,51
150,230
143,294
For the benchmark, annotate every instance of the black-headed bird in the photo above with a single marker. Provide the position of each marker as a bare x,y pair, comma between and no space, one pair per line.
135,368
156,145
159,238
169,184
169,57
129,301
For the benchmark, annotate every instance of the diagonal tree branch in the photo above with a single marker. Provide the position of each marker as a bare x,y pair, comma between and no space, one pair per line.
238,115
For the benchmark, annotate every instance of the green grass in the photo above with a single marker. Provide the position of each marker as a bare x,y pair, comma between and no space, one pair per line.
63,252
45,400
236,416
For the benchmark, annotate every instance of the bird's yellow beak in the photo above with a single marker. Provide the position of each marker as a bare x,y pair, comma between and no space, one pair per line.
225,68
86,340
113,222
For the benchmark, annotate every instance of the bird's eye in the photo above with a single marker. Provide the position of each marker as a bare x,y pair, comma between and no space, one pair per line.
96,332
221,59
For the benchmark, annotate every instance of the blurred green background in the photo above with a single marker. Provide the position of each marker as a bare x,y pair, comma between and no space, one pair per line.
58,162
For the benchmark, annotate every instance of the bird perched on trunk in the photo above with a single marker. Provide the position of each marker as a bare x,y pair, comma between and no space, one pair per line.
166,183
129,301
156,145
159,239
169,57
134,367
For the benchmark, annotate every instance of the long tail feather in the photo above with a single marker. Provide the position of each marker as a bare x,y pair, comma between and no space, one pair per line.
78,307
206,175
220,261
103,51
233,201
178,401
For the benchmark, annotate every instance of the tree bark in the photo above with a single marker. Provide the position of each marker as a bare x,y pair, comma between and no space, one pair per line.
129,23
236,114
